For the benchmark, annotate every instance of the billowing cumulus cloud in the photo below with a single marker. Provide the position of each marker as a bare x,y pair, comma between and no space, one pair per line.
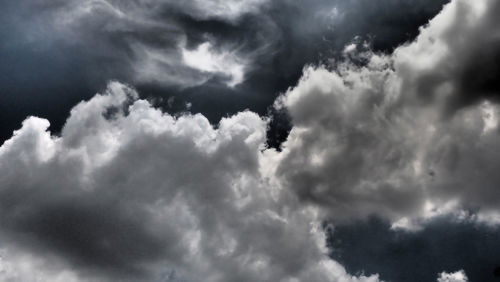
389,138
130,193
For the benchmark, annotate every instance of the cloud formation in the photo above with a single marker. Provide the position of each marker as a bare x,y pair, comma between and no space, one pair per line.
128,192
389,138
458,276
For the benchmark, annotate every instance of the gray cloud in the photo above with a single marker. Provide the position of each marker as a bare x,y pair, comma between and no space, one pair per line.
128,192
142,196
387,138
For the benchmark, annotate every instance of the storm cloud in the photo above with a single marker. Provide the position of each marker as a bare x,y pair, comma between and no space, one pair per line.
167,179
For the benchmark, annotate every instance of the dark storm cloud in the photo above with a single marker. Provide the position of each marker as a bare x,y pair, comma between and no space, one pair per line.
444,245
68,50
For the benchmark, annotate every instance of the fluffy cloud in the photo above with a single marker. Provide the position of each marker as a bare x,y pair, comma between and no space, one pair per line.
128,192
458,276
393,137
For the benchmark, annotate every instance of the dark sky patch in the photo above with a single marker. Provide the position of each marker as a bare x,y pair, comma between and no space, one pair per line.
444,245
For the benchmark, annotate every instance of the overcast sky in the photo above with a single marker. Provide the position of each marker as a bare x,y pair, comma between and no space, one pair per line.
258,140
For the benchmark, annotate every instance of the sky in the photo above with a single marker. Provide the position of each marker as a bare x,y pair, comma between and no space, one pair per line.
258,140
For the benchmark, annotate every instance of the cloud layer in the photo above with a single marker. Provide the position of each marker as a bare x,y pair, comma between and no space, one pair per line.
129,192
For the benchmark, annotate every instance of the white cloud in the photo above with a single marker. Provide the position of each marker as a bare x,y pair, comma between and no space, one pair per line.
350,48
205,59
458,276
165,67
